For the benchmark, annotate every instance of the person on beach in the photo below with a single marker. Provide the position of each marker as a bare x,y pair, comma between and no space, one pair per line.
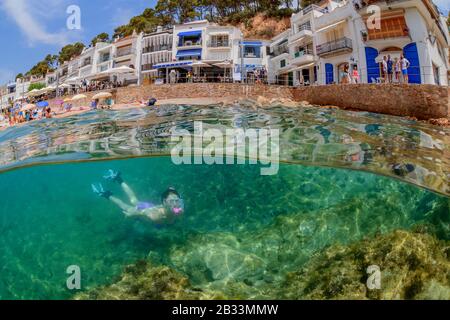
355,75
385,69
171,208
390,68
404,64
397,70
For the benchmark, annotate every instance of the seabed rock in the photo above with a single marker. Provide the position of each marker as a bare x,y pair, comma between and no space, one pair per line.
321,254
144,281
412,265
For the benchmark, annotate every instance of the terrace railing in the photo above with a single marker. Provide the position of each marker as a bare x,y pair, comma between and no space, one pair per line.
333,46
151,49
219,44
279,50
124,52
104,59
312,7
86,63
302,52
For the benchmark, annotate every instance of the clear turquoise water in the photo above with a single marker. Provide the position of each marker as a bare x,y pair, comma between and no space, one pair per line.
50,219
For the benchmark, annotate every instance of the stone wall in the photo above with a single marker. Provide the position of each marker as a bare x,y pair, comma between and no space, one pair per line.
421,101
202,90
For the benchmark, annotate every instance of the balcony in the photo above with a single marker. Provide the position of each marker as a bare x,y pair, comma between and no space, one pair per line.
86,63
279,50
302,57
338,46
151,49
190,45
302,31
313,7
105,66
123,52
104,59
219,44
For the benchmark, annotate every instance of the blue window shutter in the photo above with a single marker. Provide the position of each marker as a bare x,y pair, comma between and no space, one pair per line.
329,73
373,68
411,53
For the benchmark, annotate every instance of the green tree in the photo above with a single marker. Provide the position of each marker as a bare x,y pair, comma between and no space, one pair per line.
19,76
70,51
102,37
37,86
146,22
177,11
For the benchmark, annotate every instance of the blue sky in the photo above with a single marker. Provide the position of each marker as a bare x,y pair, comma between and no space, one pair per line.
31,29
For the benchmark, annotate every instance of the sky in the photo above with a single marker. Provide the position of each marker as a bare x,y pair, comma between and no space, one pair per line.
31,29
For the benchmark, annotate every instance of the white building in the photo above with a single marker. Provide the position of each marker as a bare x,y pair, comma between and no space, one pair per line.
156,48
327,38
7,95
280,59
126,53
212,52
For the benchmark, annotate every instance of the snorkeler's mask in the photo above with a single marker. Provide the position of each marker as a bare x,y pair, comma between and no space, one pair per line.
176,206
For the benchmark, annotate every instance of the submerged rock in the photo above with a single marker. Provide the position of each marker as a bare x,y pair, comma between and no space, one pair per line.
412,265
144,281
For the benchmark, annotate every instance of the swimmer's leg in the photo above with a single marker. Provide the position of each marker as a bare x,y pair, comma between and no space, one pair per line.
126,208
117,177
130,193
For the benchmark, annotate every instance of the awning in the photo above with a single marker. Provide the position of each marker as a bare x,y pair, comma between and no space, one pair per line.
173,64
252,43
196,33
189,53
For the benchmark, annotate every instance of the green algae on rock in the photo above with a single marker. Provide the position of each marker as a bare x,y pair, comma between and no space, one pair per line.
144,281
413,266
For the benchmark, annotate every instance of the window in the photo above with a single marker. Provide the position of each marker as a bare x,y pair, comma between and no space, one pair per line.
252,52
335,34
283,63
220,41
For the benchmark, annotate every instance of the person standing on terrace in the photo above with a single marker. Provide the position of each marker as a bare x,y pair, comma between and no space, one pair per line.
404,63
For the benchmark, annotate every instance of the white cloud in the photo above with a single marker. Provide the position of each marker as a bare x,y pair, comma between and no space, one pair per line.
28,16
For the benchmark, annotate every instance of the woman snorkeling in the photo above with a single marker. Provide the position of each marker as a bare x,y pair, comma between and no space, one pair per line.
171,208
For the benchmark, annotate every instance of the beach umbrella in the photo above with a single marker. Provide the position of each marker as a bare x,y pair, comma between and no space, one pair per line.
224,64
67,100
120,70
102,95
201,64
79,97
42,104
28,107
34,93
48,89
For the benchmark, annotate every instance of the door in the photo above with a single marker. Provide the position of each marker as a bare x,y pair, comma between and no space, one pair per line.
410,52
373,68
329,76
